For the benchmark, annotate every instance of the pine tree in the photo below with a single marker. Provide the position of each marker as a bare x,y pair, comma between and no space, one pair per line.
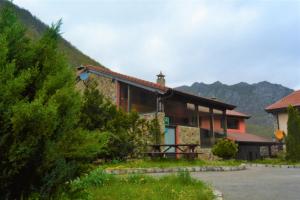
293,137
40,145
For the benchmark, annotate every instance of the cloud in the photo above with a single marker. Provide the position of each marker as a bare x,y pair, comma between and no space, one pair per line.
229,41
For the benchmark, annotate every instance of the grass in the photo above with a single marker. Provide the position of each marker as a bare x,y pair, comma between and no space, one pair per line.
99,185
165,163
275,161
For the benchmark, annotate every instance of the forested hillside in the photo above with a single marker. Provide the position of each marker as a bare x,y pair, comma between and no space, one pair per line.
35,28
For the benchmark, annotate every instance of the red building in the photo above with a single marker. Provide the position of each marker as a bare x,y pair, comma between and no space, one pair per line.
184,118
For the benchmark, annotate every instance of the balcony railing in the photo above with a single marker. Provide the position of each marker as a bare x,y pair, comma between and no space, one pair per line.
206,137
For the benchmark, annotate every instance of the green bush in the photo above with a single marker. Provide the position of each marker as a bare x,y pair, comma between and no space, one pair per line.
125,132
99,185
41,146
79,188
225,149
293,137
185,178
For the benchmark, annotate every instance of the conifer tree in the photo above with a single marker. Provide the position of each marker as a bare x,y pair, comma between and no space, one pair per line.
40,145
293,136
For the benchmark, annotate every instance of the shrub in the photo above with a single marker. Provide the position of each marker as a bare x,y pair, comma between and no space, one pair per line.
184,177
125,132
79,187
293,137
225,149
41,146
154,130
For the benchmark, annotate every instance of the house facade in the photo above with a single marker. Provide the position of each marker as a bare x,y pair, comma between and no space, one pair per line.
184,118
279,111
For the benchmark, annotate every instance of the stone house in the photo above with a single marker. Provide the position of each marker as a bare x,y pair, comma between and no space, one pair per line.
184,118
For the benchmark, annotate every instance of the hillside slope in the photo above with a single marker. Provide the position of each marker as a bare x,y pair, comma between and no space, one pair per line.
35,29
249,98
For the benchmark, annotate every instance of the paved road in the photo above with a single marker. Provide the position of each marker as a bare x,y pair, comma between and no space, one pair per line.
256,183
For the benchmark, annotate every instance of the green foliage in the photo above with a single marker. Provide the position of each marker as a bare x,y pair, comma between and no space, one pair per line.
293,136
99,185
79,187
165,163
125,132
35,30
41,146
276,161
154,130
225,149
185,177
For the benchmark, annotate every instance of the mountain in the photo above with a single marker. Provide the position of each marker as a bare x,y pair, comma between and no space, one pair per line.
35,29
249,98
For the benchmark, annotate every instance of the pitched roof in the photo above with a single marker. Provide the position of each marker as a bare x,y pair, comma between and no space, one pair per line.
128,78
292,99
235,113
247,137
155,86
215,102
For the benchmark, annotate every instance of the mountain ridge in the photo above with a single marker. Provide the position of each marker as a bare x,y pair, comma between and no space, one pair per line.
249,98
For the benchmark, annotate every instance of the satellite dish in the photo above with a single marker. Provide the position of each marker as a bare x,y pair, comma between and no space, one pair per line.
279,135
84,76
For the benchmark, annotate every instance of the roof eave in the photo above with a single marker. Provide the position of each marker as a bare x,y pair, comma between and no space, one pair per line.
127,81
207,100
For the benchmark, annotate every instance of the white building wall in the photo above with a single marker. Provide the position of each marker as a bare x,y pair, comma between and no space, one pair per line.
283,119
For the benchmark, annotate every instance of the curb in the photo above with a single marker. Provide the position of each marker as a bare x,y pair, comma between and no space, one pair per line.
218,195
175,169
273,166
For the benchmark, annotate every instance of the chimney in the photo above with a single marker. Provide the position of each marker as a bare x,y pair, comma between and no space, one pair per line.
161,79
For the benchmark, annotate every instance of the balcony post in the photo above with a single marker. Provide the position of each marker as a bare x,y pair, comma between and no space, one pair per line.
211,120
128,99
225,122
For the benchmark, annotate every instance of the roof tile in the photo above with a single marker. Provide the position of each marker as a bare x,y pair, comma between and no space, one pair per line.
247,137
292,99
128,78
236,114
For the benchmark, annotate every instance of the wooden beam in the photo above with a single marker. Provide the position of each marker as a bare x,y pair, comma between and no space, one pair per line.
159,104
197,113
211,120
277,119
225,122
117,94
128,99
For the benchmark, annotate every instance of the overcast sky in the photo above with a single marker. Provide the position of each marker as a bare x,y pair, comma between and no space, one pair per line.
204,41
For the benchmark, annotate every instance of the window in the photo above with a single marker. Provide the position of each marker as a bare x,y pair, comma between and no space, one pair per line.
232,123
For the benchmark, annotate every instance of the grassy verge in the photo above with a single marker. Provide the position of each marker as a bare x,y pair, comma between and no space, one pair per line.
275,161
164,163
99,185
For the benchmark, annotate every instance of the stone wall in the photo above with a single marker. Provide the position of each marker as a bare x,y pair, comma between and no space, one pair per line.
105,85
283,119
161,120
188,135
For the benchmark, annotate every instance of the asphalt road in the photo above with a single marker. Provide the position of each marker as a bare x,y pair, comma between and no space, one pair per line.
256,183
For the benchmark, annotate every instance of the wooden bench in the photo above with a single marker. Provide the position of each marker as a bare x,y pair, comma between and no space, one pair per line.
188,153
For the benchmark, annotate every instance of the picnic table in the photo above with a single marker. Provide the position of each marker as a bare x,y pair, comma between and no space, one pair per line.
188,150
